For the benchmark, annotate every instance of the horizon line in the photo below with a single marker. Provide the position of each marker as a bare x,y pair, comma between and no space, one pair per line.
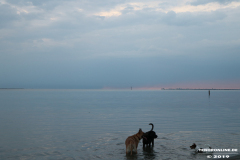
130,88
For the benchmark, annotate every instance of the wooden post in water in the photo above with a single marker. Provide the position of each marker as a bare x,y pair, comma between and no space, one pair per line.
209,92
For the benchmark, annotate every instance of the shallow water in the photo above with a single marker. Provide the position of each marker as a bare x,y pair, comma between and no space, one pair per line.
84,124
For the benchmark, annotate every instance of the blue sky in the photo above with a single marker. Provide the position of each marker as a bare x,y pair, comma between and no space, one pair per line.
118,44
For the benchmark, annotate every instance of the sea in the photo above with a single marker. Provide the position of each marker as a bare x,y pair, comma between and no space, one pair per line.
72,124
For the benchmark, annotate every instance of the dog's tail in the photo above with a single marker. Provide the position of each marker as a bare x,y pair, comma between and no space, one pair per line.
152,126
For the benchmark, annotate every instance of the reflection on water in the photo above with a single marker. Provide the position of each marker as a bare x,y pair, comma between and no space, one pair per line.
111,146
149,152
75,124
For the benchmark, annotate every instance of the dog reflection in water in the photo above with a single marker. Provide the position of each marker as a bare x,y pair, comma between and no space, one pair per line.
132,141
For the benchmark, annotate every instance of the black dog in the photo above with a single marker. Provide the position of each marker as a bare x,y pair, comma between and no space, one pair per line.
149,137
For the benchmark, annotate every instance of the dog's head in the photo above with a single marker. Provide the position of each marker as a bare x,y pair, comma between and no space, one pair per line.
193,146
152,135
140,133
155,136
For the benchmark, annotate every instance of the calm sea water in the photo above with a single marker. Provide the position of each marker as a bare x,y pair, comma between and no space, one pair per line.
84,124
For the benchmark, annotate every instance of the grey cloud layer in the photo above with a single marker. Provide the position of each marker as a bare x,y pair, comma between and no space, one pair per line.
65,44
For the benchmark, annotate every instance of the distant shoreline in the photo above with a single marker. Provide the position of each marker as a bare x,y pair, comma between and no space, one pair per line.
200,89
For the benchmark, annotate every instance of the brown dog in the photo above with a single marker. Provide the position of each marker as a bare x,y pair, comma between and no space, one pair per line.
132,141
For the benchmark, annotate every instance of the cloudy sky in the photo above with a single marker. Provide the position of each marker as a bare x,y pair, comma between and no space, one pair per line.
118,44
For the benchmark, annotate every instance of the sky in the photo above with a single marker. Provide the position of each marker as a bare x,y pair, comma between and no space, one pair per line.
92,44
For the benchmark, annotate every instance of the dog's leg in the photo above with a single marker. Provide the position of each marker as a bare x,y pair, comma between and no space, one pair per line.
153,142
150,143
135,148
